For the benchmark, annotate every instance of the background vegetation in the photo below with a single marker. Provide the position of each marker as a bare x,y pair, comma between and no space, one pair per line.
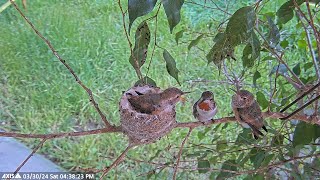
38,95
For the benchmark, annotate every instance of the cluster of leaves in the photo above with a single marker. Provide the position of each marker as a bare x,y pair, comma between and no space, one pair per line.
138,8
242,29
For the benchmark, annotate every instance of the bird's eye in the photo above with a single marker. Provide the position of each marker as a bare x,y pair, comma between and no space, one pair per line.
244,98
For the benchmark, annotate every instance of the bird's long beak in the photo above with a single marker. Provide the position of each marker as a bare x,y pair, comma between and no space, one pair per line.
187,92
183,99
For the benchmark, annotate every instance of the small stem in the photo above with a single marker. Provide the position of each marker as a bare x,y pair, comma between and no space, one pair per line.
61,135
136,63
180,152
301,84
30,155
117,161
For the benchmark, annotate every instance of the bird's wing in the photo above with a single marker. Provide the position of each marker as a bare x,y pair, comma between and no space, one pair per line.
194,108
247,118
143,106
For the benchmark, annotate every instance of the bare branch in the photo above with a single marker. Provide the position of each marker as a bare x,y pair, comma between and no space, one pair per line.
117,161
300,97
180,152
297,85
61,135
30,155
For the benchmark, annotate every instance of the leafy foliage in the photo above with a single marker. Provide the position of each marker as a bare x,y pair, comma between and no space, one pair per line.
138,8
142,40
172,9
239,30
171,65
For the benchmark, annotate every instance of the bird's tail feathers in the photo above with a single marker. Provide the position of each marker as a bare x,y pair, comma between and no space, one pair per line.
255,131
264,128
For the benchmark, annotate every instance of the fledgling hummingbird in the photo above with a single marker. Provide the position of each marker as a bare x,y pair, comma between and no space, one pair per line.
154,103
247,112
205,108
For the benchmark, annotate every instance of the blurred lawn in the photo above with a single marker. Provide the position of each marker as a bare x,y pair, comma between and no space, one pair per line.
39,95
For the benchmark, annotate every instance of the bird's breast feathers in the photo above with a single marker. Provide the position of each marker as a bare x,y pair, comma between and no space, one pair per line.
206,114
206,105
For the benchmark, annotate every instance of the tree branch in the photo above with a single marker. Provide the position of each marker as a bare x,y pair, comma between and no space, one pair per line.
180,152
61,135
30,155
117,161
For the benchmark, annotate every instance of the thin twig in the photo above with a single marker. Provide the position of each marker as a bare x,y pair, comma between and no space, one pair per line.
300,108
136,66
155,39
313,54
117,161
60,135
55,53
30,155
299,84
300,97
180,152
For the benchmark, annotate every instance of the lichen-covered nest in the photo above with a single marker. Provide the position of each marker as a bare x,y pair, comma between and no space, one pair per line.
144,128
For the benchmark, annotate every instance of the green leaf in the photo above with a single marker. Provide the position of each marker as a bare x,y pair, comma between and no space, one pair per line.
144,81
142,40
195,42
179,35
302,44
254,177
256,76
230,165
245,137
284,43
277,140
285,12
171,65
263,102
218,37
172,10
282,69
251,51
219,52
203,164
221,145
274,34
137,8
240,26
296,69
267,159
307,65
303,134
257,156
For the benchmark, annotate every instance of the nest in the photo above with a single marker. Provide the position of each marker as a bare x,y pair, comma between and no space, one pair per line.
145,128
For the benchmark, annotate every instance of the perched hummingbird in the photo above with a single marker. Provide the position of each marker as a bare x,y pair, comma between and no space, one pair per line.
205,108
247,112
153,103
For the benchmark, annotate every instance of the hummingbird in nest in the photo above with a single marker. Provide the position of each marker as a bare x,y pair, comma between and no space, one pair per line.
154,103
247,112
205,108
